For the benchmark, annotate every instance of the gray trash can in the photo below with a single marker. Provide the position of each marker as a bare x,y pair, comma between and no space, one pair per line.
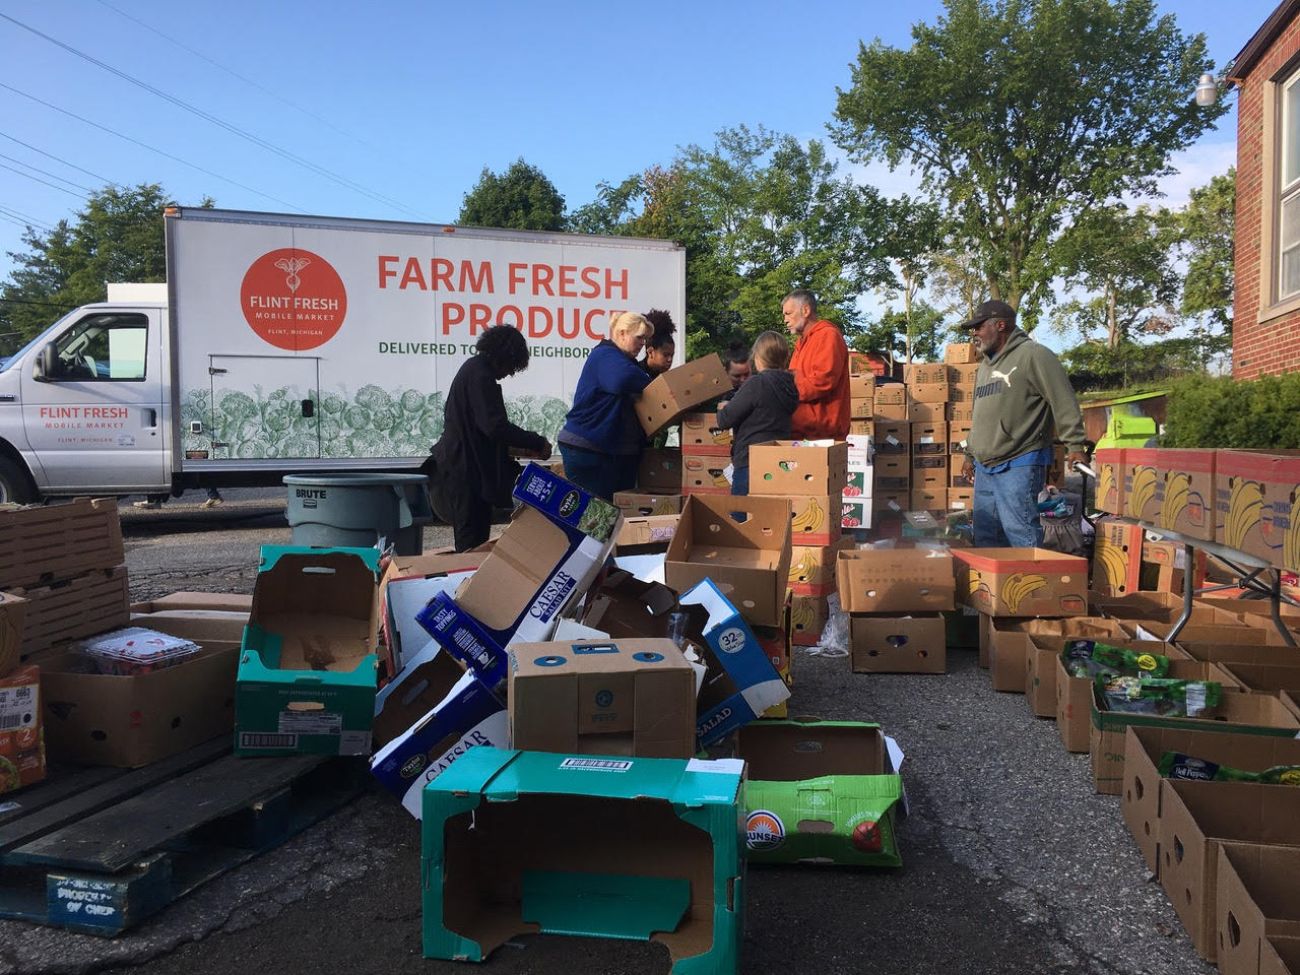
356,510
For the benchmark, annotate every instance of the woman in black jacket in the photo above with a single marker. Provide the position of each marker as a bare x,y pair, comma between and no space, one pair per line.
472,468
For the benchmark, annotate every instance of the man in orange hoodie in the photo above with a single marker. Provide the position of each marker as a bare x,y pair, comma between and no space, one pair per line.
821,371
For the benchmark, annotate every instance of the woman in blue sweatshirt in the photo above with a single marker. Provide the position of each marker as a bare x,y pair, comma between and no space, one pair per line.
602,440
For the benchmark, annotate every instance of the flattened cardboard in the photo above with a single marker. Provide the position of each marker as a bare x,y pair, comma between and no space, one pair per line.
702,435
606,697
1241,712
642,848
13,609
820,792
680,390
308,666
749,557
45,543
898,644
1141,797
545,560
797,468
894,581
1256,903
1022,581
660,471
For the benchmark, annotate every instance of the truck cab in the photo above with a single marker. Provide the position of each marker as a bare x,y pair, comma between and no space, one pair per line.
85,406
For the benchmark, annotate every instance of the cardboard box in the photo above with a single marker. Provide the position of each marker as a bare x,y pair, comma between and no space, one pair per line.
1280,955
545,560
1258,504
646,535
45,543
702,435
1187,492
1009,648
1141,799
659,471
1195,819
890,394
1268,678
894,581
887,502
1046,637
1256,904
1074,695
741,682
1240,712
635,504
963,374
1164,564
930,439
308,667
862,407
862,427
958,480
705,474
798,468
934,393
962,395
1117,557
862,385
1109,463
891,437
961,353
812,568
606,697
890,412
929,499
843,763
1022,581
1143,485
427,717
961,499
776,642
642,848
22,740
808,617
893,472
958,434
919,373
914,644
67,609
861,484
856,513
185,601
959,412
129,721
12,611
924,412
751,558
679,391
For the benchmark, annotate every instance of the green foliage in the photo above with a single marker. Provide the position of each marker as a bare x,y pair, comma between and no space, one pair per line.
888,334
521,198
1095,365
1022,115
1205,230
117,237
1261,413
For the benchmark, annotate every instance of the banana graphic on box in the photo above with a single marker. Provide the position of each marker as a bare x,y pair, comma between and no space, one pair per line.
1106,492
1114,566
811,519
1245,506
805,568
1291,544
1016,589
1144,489
1178,489
802,614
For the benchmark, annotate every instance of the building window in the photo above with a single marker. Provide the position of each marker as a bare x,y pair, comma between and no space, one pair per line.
1289,191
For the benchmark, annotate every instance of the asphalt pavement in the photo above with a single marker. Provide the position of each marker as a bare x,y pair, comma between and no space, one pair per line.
1011,862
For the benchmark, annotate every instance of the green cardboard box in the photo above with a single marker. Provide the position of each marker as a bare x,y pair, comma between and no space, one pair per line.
820,792
308,664
537,842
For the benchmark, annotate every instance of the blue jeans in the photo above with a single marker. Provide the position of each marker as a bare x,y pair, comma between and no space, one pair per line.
597,473
1006,507
740,480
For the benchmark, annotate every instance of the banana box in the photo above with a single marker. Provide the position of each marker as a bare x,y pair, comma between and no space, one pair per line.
703,474
929,498
1258,504
1022,581
895,580
890,437
660,471
812,567
912,644
1187,503
813,521
933,393
963,374
890,412
702,435
957,473
863,428
1108,462
808,617
798,467
919,373
1143,485
820,792
1117,557
680,390
635,504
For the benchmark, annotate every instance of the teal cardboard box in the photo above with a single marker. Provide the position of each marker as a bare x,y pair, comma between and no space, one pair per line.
308,665
820,792
633,848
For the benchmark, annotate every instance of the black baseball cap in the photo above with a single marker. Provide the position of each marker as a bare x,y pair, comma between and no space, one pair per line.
990,309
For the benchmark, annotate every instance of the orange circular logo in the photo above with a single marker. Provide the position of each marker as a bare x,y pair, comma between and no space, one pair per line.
293,299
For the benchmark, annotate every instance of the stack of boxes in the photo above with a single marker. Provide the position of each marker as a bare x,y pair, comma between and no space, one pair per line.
706,455
895,598
962,362
855,512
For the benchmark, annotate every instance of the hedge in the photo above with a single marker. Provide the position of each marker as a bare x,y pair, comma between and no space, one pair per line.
1222,412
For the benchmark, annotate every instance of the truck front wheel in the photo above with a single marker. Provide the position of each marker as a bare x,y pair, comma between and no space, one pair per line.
15,486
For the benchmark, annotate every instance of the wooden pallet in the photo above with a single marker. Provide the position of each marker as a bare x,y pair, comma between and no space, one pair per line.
99,850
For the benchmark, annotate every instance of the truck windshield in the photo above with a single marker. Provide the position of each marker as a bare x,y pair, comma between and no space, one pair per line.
13,360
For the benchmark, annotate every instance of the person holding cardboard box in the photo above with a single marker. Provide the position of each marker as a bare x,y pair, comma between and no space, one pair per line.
762,407
471,469
821,370
1021,393
602,440
661,347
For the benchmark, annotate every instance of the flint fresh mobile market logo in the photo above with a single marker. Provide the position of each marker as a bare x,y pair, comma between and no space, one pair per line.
293,299
764,830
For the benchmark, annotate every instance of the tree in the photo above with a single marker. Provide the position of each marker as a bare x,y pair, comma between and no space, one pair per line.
1121,258
1205,230
117,237
522,198
1022,115
892,332
912,237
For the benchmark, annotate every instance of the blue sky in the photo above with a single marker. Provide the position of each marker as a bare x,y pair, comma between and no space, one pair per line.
392,110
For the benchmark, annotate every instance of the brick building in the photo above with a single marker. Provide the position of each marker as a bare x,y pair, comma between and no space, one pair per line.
1266,309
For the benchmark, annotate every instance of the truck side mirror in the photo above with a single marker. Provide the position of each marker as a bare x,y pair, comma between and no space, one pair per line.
46,365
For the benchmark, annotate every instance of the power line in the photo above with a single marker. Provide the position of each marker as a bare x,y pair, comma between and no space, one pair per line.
63,189
235,74
209,117
46,172
28,220
155,149
70,165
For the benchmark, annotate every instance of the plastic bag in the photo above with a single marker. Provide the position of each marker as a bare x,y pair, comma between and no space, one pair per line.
834,641
1161,696
1176,765
1090,658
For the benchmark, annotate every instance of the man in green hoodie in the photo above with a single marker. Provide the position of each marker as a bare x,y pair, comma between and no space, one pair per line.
1021,394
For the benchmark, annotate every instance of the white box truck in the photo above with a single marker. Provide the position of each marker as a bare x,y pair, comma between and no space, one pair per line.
285,343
